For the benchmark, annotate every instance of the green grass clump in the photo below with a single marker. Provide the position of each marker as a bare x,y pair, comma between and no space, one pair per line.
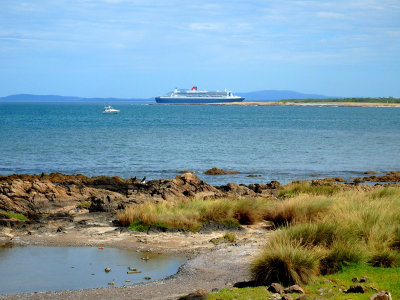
305,187
342,253
229,237
226,238
138,226
13,215
84,204
329,286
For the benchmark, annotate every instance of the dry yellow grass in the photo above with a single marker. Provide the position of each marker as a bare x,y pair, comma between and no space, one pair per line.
344,228
192,214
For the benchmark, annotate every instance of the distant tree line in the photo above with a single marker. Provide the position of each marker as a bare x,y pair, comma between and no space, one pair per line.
329,100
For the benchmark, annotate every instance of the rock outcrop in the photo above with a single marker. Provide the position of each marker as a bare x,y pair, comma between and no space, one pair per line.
52,194
40,197
216,171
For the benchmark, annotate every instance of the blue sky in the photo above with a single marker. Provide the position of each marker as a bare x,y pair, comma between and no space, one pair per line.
143,48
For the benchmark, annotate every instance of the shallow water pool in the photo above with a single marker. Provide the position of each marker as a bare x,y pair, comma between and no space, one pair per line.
34,268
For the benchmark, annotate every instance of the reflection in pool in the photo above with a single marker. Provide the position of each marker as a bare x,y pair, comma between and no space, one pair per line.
33,268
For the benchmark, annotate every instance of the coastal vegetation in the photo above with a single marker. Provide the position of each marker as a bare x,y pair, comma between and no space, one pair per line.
193,214
321,235
13,215
334,230
329,286
324,234
343,100
324,240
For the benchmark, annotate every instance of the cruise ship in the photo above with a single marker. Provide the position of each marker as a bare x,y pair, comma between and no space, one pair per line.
195,96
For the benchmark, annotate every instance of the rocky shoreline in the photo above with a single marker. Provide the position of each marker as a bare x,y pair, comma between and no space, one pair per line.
52,196
75,210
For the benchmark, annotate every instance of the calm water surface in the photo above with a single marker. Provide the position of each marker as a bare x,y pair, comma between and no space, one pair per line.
155,141
32,268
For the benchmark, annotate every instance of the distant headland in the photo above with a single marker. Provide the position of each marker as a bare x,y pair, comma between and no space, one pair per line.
264,97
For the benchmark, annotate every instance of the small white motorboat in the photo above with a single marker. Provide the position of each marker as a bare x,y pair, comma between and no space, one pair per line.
110,110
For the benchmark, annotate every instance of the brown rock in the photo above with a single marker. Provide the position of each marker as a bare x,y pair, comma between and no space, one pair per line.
357,288
294,289
287,297
258,187
35,195
382,295
274,184
339,179
275,288
233,189
216,171
185,171
369,172
275,296
197,295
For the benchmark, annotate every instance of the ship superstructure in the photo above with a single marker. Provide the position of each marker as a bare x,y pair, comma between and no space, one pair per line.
195,96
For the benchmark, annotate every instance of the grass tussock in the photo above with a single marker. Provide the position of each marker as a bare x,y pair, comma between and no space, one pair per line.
339,229
305,187
191,215
299,209
286,262
385,258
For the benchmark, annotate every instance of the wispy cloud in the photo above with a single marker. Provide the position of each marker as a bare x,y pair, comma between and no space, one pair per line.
206,26
331,15
178,34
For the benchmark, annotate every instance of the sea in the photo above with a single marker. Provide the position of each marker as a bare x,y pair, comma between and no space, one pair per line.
283,143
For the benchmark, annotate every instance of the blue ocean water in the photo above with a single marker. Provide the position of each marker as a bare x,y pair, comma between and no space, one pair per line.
156,141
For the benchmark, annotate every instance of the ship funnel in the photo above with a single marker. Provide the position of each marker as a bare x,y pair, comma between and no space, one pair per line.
194,88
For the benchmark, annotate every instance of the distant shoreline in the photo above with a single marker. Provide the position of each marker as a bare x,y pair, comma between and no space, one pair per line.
319,104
